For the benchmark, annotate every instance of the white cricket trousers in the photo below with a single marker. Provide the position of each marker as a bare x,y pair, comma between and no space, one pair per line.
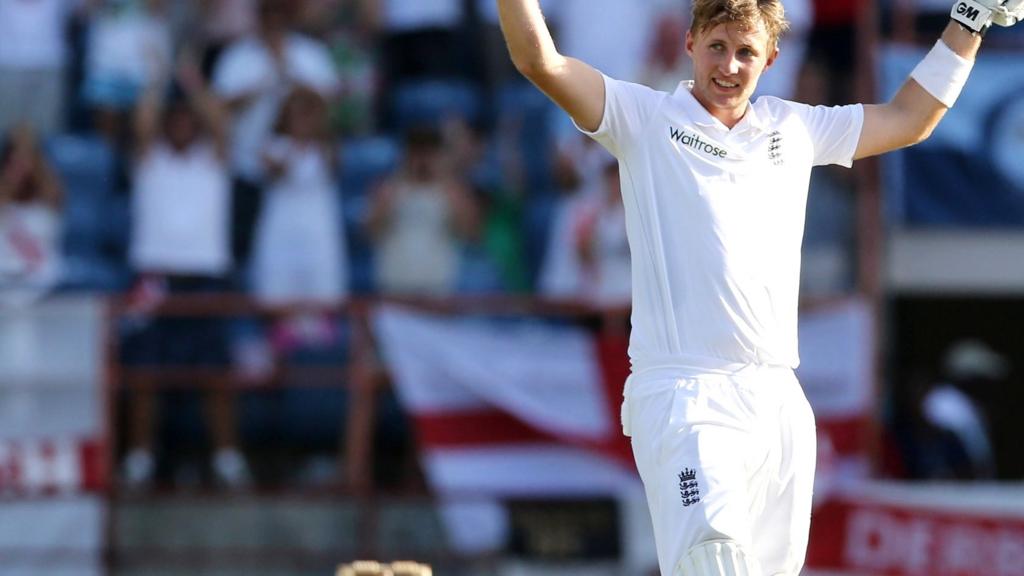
726,454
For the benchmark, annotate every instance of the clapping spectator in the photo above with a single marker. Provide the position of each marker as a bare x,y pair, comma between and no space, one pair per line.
300,254
181,206
30,220
419,219
253,77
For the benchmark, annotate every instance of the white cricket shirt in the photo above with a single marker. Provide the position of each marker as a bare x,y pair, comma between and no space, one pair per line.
715,218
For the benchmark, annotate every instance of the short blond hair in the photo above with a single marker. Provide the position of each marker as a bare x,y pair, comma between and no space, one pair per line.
710,13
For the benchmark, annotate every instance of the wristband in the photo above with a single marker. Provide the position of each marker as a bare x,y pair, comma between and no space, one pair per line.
943,73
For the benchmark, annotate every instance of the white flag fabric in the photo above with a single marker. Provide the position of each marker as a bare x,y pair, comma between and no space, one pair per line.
506,409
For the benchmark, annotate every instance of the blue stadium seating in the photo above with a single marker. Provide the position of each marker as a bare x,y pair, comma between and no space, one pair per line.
431,101
95,218
523,107
364,162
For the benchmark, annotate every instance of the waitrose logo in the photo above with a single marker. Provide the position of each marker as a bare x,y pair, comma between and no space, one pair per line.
694,141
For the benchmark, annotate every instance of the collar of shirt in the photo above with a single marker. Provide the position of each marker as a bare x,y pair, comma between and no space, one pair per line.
701,117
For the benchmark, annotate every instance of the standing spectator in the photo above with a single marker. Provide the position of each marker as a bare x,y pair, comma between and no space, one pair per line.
300,251
419,219
33,55
960,438
30,221
602,245
253,77
781,81
579,166
129,42
181,206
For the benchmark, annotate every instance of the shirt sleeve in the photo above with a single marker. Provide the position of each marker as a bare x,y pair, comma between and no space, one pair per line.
834,132
627,109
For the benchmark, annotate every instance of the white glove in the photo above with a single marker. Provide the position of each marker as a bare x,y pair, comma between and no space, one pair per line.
1011,12
979,15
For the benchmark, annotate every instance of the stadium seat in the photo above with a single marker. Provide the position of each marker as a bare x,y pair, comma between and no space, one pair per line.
364,162
521,107
93,219
431,101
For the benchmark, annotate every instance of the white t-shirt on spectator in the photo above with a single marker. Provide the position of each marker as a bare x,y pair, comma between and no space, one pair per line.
408,15
715,219
248,66
33,34
300,246
181,212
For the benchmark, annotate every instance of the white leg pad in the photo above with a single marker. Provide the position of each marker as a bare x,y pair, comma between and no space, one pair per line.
717,558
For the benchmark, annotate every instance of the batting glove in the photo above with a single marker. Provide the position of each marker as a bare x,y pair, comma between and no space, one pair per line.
1009,13
978,15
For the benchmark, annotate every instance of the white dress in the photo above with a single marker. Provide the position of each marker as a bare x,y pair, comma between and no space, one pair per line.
300,252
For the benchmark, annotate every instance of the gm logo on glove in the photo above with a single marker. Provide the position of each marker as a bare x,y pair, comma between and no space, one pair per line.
968,11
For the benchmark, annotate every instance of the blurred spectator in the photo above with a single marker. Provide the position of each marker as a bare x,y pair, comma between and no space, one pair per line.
828,259
600,240
419,219
579,172
33,55
129,43
495,260
253,77
299,252
300,255
960,439
347,28
181,205
833,39
667,62
30,220
781,80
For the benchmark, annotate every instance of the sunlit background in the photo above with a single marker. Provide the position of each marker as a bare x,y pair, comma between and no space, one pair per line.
290,284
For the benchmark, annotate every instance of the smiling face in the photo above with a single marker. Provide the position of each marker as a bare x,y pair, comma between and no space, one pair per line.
728,60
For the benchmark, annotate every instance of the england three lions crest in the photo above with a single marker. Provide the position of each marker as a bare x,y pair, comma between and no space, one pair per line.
688,488
775,148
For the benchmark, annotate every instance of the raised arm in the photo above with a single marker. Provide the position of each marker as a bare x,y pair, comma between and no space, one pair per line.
575,86
209,107
935,84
